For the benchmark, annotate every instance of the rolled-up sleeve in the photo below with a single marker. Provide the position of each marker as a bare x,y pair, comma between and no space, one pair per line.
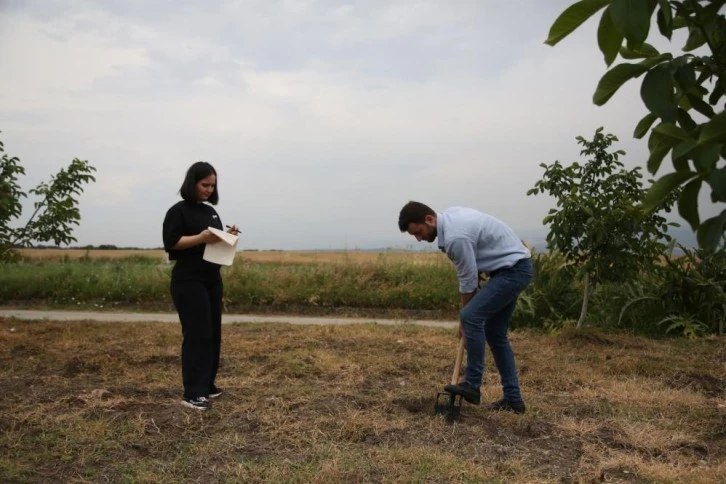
172,228
462,254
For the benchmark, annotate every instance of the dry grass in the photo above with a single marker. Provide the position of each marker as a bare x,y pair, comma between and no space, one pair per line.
278,257
94,402
97,254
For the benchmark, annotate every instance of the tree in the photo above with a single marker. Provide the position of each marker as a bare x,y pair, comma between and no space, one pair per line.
682,94
596,225
55,211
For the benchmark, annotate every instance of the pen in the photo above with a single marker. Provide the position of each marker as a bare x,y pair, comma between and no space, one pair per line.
229,227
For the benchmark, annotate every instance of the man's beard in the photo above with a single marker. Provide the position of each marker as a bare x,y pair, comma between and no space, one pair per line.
433,235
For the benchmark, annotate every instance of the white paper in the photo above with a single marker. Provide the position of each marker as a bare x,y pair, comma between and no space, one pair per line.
222,251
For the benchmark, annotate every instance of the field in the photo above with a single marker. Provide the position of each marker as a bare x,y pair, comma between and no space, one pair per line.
255,257
98,402
400,284
681,296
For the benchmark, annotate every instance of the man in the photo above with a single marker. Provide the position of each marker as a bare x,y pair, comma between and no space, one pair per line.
479,243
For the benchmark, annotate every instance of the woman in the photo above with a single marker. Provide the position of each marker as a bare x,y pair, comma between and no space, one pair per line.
196,285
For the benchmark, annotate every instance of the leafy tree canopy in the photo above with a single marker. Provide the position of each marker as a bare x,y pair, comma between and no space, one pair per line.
596,224
55,211
683,94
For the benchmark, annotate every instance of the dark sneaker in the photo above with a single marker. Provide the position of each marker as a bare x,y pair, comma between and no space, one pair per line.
215,392
470,394
199,403
509,405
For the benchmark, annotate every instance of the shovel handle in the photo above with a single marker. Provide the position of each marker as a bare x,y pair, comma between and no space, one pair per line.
457,365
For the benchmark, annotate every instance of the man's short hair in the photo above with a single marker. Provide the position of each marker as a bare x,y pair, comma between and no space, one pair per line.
413,212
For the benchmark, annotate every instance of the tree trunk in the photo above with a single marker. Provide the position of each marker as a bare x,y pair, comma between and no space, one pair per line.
585,300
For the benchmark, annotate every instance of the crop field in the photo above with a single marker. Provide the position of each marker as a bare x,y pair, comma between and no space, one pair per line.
419,284
681,296
99,402
252,256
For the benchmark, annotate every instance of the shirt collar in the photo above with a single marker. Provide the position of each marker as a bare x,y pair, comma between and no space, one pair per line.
440,232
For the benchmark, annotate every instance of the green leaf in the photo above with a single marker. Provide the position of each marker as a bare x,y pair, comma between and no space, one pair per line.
685,120
572,18
632,19
621,73
681,164
644,125
659,146
706,157
665,19
718,91
679,21
657,93
717,180
711,231
683,149
688,203
608,38
695,39
714,130
646,50
700,105
672,131
663,187
685,75
712,9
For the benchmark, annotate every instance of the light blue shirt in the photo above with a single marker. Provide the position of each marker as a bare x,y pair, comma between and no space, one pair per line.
476,242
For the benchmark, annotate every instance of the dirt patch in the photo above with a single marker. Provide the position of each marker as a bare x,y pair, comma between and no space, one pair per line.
704,383
77,365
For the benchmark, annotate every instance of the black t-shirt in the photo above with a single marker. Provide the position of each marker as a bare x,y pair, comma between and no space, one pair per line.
187,218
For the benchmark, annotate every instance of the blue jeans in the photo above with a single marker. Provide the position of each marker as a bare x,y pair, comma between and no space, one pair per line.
486,318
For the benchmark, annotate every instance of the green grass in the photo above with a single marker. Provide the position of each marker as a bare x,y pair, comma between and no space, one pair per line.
321,288
686,296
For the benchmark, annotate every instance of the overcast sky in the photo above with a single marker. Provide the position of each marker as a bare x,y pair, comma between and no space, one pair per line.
322,118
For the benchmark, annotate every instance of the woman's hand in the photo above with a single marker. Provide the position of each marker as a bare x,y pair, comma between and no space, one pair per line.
207,237
187,241
234,230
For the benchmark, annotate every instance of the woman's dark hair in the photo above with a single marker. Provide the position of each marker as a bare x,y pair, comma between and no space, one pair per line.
196,172
413,213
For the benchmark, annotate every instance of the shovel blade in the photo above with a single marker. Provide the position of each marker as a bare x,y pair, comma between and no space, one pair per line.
446,404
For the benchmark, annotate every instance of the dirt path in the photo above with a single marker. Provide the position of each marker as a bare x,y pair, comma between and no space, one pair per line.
130,317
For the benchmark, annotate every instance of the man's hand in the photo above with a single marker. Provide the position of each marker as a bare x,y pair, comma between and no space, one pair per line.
465,298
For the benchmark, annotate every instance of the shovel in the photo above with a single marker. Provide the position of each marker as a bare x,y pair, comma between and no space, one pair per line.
446,402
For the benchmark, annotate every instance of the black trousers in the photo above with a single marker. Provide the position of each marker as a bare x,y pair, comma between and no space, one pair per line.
199,304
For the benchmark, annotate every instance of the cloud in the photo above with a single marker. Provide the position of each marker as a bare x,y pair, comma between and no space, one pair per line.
322,118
